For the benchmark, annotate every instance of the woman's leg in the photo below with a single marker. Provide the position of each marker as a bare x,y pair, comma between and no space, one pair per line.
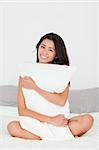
15,130
80,124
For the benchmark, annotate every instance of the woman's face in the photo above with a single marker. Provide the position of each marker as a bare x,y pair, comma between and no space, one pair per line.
46,51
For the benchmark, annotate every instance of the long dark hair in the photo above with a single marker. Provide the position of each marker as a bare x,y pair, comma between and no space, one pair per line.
61,52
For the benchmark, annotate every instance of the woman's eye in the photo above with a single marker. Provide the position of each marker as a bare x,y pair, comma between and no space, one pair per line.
42,47
51,50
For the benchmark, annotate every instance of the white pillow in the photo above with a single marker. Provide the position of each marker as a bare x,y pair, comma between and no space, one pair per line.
49,77
37,103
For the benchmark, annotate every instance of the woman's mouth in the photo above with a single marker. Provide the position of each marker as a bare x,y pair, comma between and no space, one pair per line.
43,56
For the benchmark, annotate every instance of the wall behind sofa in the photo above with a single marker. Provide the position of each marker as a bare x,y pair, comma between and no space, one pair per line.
23,23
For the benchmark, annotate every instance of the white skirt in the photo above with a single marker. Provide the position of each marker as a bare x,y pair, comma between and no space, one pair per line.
44,130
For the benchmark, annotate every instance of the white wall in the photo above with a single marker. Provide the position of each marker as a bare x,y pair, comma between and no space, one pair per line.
98,44
22,24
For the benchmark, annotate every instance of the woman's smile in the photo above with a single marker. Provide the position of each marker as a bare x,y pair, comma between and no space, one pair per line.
43,56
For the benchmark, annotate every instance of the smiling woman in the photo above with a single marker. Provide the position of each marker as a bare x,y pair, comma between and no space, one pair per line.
36,126
53,47
46,51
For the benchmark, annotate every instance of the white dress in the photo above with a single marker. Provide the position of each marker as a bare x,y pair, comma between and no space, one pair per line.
44,130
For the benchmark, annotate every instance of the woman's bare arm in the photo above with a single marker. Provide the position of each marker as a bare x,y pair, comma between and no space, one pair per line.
58,120
24,111
56,98
20,98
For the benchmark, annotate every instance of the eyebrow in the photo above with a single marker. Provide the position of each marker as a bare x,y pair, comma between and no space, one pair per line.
45,45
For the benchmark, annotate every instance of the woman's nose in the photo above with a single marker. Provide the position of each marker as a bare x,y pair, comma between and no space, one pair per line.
46,52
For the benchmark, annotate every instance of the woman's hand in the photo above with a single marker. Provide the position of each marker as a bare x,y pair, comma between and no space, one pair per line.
28,83
59,120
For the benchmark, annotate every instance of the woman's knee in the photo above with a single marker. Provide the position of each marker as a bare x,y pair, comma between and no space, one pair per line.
81,124
86,124
13,127
87,121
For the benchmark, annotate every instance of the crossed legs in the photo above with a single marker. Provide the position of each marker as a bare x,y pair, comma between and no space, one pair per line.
78,126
